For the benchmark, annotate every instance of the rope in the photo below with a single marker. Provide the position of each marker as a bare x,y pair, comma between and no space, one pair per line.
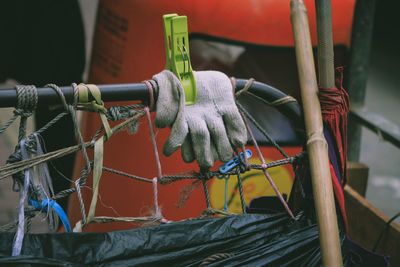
19,235
8,123
27,99
241,191
277,102
151,95
72,112
67,192
8,227
81,205
264,165
127,175
276,163
211,212
155,200
51,123
208,203
246,162
282,101
131,115
13,168
261,129
387,224
42,187
118,113
105,219
26,104
85,171
153,142
29,222
245,88
14,159
186,192
168,179
29,211
97,135
215,257
317,136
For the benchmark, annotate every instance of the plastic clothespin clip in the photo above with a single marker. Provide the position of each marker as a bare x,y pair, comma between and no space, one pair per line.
177,54
234,162
227,167
226,177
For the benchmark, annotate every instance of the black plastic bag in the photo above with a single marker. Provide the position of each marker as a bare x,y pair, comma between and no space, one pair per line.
241,240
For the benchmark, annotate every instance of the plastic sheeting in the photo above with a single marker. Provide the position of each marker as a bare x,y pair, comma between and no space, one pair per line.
250,239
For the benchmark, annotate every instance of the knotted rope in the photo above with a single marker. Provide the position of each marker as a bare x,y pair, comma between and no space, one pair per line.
27,99
26,104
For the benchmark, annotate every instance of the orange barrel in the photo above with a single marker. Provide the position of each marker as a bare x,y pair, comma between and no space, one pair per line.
129,47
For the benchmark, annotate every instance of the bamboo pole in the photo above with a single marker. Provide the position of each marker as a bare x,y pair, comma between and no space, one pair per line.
316,144
326,69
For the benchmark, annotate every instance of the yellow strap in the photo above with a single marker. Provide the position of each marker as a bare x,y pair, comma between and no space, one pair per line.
83,95
97,171
107,128
78,227
95,91
97,104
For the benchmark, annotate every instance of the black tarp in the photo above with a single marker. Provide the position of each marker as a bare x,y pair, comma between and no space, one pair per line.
251,240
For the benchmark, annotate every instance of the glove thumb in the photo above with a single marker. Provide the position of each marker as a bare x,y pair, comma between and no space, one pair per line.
171,98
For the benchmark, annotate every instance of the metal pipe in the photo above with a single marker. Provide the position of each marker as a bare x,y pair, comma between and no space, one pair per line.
109,93
316,144
139,92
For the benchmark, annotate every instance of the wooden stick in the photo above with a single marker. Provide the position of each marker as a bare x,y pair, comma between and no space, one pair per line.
316,144
326,69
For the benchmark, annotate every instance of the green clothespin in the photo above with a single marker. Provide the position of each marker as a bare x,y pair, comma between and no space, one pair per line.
177,53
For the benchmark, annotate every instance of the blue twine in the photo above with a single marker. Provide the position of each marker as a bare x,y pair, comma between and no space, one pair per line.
56,207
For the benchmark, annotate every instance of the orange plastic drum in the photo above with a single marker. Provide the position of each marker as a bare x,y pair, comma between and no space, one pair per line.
129,47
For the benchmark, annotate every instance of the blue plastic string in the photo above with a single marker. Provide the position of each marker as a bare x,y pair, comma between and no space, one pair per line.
56,207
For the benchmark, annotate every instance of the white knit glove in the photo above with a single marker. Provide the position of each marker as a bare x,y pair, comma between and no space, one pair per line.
206,131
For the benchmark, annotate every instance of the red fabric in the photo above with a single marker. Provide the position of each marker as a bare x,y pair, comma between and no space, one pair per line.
335,110
338,190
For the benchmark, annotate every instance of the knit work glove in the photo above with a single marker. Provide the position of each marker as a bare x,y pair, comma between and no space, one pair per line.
208,130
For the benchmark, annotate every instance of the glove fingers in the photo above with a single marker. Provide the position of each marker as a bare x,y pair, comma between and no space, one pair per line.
219,138
201,142
235,127
170,98
213,151
178,134
187,150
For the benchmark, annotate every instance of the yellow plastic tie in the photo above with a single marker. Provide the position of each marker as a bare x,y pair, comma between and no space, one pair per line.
97,104
97,171
83,95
